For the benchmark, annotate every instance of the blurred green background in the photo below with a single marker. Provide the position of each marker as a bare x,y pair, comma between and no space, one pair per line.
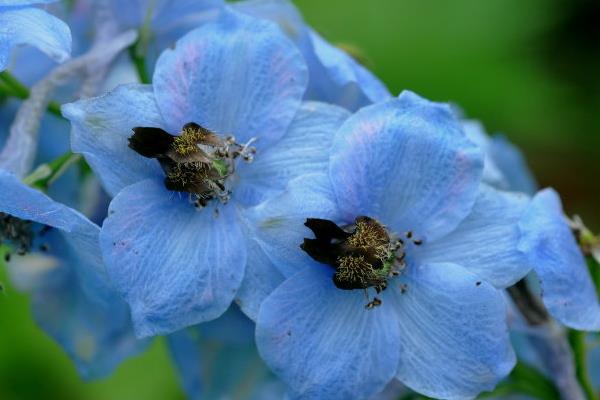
529,69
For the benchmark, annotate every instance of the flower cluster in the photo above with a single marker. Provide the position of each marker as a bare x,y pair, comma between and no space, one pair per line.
253,193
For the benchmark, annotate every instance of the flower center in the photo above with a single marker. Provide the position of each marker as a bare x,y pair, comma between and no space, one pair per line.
197,161
19,234
364,254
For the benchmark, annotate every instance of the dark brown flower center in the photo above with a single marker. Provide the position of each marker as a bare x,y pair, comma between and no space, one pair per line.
363,254
197,161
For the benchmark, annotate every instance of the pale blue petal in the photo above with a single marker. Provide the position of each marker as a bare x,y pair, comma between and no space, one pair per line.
453,334
491,173
101,127
568,291
72,301
278,224
345,82
282,12
303,150
486,241
176,266
214,367
406,162
512,164
219,79
261,278
322,341
94,329
173,14
24,2
163,15
334,76
35,27
23,202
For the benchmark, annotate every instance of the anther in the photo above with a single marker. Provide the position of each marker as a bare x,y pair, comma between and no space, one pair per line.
372,304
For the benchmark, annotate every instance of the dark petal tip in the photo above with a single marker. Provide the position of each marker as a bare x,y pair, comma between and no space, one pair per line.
150,142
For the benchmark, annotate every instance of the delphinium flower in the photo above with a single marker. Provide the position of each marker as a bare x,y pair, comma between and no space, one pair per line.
22,23
222,127
54,254
393,262
547,239
334,76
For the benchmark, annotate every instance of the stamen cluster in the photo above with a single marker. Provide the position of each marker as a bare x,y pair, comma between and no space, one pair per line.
363,254
198,161
17,232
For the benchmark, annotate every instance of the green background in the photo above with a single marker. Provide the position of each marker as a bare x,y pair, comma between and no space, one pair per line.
528,69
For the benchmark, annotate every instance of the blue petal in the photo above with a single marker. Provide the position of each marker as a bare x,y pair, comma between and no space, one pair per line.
94,329
175,266
335,77
511,162
173,14
491,173
101,127
282,12
303,150
278,224
453,334
29,204
213,368
322,342
261,278
163,15
35,27
345,82
218,359
72,300
485,242
406,162
25,2
219,79
568,291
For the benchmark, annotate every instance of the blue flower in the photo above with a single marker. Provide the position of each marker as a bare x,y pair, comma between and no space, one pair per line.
505,167
547,241
71,298
219,359
22,24
402,213
176,264
568,291
334,76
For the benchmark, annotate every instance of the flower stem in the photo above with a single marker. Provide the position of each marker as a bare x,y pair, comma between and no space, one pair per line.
46,174
139,62
11,86
577,342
